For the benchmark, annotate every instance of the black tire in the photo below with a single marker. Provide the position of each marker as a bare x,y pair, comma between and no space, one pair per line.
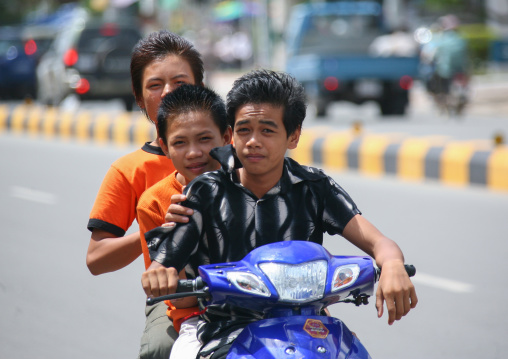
128,103
394,103
320,107
385,107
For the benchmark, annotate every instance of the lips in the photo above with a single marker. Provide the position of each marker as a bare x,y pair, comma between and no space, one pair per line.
254,157
196,167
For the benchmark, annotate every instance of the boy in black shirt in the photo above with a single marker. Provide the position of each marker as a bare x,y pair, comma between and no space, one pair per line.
259,196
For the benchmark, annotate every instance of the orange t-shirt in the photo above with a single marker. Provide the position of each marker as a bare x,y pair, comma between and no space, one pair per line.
114,209
151,212
152,208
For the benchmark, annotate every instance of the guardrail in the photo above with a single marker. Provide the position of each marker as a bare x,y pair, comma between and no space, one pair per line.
122,128
452,162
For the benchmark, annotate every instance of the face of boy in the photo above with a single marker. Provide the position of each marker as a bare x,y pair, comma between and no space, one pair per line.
261,141
190,138
159,78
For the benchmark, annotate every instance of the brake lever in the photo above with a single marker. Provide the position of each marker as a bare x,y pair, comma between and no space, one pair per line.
199,294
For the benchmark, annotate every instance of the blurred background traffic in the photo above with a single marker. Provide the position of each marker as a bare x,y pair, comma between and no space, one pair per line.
53,49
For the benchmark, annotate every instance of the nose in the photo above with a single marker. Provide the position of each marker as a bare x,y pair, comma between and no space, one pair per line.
194,151
167,89
253,141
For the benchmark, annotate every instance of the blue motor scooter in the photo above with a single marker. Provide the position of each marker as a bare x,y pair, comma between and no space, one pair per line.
291,282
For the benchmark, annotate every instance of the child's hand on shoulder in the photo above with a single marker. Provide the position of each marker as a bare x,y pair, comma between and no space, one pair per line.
177,213
396,289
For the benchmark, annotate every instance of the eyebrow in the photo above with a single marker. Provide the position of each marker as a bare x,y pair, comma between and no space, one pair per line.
264,122
205,132
180,75
157,78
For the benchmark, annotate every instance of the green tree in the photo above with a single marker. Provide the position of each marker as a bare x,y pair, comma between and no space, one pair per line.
15,12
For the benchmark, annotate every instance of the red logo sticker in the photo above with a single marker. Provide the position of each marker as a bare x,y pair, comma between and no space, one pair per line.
316,328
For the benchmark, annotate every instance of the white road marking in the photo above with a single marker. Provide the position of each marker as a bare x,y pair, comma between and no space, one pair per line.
442,283
33,195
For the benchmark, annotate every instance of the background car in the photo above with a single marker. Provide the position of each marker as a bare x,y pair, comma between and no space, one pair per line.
91,59
39,38
17,64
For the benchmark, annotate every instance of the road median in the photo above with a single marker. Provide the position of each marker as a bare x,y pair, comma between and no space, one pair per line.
443,159
436,158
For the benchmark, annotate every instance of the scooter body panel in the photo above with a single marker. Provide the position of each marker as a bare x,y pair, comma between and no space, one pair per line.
297,337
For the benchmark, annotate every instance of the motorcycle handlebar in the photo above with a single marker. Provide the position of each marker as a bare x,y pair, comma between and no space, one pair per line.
197,288
185,288
410,270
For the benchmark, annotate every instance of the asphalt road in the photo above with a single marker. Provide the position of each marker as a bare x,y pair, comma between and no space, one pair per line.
456,238
52,307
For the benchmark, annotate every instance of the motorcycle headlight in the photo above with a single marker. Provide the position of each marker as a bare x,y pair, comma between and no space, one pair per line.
297,283
345,276
249,283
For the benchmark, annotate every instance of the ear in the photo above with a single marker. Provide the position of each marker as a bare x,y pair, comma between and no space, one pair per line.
164,147
228,136
294,138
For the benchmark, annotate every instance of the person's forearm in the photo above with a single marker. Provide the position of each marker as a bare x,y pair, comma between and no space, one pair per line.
386,251
368,238
108,254
172,246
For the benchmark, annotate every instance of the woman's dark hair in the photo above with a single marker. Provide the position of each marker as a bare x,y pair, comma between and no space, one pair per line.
278,89
190,98
158,45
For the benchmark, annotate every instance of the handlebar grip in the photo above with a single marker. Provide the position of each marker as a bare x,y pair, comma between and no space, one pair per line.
185,286
410,269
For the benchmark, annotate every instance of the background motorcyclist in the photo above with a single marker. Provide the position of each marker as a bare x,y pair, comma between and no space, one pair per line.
448,55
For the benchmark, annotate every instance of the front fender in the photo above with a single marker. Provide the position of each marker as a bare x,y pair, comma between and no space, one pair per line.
297,337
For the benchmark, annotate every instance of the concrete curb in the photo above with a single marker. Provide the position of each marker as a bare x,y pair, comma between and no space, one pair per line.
121,128
451,162
473,162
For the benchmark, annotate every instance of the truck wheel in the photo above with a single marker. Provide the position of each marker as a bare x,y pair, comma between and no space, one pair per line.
395,104
321,110
319,107
385,107
128,103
